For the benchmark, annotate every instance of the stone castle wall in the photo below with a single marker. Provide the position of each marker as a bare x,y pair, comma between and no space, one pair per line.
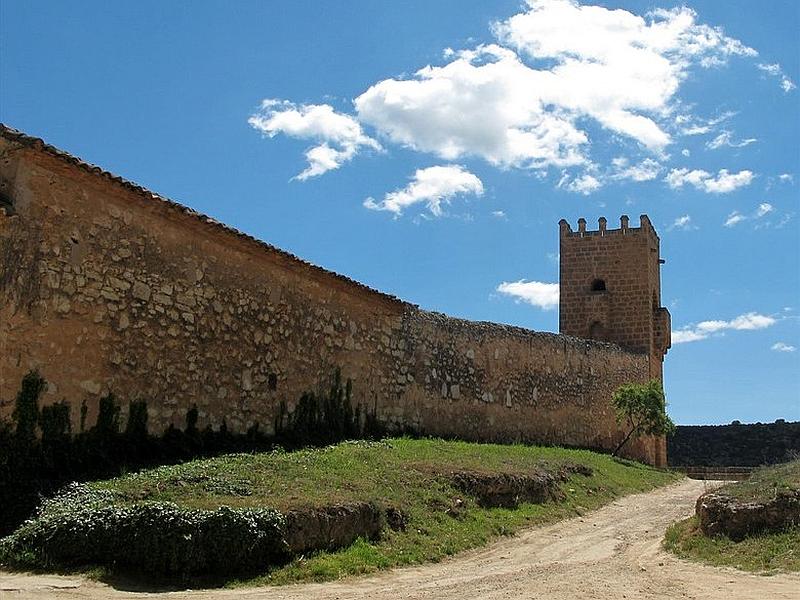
107,287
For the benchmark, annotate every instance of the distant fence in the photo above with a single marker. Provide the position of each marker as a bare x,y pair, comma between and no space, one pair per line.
742,445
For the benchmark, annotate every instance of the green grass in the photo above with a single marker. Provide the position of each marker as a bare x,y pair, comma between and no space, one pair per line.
765,483
765,553
403,473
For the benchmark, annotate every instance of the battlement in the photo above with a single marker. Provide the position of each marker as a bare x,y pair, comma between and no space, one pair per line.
610,286
645,226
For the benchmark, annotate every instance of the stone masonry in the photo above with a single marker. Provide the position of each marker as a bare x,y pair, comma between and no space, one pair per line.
610,284
105,286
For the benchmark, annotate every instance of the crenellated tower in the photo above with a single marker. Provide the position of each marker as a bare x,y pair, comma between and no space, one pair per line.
610,285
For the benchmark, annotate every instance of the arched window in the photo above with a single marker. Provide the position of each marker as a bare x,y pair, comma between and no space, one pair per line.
6,203
599,285
597,331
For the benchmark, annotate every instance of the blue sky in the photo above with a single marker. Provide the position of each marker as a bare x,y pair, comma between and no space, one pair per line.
429,149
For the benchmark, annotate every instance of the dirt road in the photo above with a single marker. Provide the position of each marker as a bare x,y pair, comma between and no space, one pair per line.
613,553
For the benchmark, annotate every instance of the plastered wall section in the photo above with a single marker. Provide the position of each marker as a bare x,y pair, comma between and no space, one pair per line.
105,288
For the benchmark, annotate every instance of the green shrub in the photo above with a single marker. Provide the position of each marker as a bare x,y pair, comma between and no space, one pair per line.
83,526
32,467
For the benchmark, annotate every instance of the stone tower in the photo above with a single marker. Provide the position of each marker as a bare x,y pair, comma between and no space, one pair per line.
610,284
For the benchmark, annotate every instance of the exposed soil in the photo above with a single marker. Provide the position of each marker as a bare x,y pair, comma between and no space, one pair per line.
612,553
331,527
507,490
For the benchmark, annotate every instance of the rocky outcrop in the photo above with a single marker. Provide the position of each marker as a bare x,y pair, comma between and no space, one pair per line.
721,514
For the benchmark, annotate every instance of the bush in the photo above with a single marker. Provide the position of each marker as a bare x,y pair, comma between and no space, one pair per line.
82,526
32,466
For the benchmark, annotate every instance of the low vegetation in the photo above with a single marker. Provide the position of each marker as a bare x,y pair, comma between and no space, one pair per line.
40,451
415,482
765,553
759,544
766,483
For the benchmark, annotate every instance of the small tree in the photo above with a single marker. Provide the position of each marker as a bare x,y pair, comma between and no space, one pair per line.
643,409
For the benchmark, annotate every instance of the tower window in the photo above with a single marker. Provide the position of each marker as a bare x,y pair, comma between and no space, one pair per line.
599,285
597,331
6,203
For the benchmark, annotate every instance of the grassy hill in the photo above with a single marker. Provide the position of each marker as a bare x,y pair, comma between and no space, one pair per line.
417,479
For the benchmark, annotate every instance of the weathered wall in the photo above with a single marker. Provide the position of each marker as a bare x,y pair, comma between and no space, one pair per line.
734,445
107,287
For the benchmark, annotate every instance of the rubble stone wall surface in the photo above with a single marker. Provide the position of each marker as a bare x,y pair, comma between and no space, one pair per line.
106,287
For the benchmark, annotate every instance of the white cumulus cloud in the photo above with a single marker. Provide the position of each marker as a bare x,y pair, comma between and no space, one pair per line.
533,98
485,103
704,329
783,347
517,103
433,186
775,70
339,136
763,209
684,222
615,66
734,219
585,183
691,125
536,293
723,183
646,170
726,139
